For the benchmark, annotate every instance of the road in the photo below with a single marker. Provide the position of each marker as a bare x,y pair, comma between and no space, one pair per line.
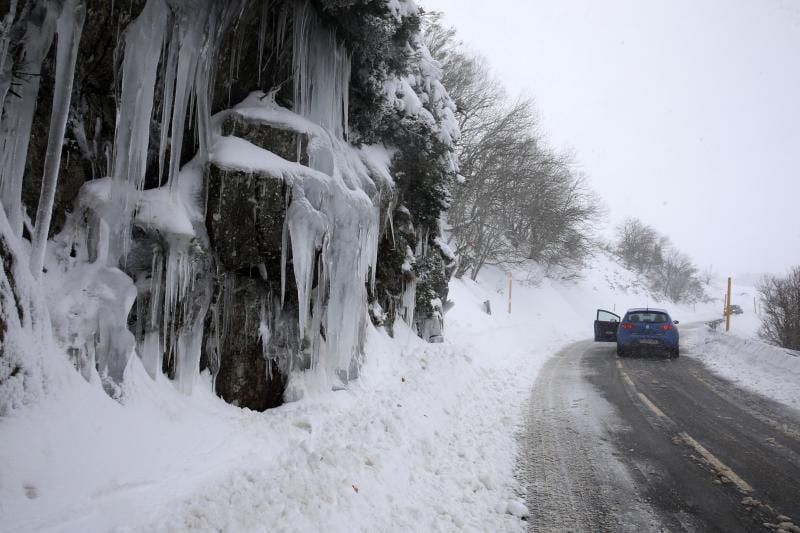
644,444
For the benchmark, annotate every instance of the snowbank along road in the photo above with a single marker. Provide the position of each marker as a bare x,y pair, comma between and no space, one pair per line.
647,444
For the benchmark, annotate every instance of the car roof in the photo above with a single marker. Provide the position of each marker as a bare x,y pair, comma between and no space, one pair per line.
646,309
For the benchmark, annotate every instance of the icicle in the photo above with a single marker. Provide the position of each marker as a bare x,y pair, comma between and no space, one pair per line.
116,294
228,301
17,114
151,353
333,223
168,95
70,24
156,286
195,29
144,39
190,37
262,34
238,55
151,349
204,77
284,245
321,67
5,41
351,253
231,64
221,313
280,28
264,333
372,250
177,324
307,228
200,27
189,43
408,302
319,344
78,128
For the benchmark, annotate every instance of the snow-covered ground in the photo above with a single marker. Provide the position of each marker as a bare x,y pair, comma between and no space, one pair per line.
425,440
742,358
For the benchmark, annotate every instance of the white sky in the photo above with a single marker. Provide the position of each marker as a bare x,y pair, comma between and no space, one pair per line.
685,113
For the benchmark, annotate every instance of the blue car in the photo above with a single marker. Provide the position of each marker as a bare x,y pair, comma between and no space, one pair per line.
647,329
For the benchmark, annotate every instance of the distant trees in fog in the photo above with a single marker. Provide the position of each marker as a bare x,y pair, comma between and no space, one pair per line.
518,199
670,272
780,309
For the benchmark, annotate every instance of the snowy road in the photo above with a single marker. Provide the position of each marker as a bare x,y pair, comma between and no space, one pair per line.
642,444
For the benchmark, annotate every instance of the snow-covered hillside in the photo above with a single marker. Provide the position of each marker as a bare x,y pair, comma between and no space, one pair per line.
423,441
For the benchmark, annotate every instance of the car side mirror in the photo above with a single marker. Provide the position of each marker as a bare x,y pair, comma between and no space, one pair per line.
676,321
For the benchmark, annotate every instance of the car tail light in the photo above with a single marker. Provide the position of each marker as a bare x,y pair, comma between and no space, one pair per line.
667,327
626,325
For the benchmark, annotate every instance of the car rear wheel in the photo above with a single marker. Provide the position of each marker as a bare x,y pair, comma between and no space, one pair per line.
620,351
674,353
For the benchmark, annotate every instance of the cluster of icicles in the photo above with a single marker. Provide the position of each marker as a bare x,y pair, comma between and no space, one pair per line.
332,214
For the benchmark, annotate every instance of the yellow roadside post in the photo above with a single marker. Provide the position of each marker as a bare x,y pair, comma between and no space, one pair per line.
728,307
509,292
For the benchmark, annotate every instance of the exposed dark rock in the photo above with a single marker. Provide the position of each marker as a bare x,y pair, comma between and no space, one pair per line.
431,285
289,145
250,375
390,279
239,73
245,219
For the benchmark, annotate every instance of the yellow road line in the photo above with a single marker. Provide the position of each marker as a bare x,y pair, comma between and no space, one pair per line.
718,465
645,400
628,381
653,407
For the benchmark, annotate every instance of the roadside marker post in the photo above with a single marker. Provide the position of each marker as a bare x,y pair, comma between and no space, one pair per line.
728,307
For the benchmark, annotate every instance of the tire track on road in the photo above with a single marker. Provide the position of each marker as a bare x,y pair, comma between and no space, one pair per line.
572,478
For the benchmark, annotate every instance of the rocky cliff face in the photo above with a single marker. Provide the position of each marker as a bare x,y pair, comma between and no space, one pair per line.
242,186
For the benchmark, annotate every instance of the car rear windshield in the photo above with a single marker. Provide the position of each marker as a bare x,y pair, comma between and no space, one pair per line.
647,316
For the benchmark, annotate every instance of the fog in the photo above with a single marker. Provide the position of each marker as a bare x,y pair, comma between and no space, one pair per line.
685,114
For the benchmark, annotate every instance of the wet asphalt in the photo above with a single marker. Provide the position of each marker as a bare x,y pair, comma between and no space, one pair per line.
653,444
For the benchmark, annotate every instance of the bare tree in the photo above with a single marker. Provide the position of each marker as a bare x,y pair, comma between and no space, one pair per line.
676,278
669,272
780,304
518,200
708,275
638,244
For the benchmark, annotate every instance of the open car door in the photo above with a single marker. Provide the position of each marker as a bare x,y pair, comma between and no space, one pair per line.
605,326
